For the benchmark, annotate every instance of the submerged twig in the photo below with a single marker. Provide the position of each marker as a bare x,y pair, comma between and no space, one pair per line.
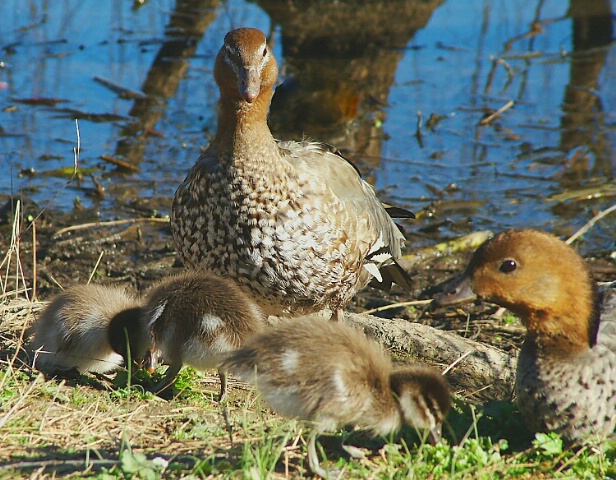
119,163
496,61
418,132
487,120
465,242
123,92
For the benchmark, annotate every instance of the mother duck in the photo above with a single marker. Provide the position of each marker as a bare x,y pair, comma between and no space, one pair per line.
292,222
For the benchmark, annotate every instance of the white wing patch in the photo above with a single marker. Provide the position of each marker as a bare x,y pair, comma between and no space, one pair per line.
373,270
289,361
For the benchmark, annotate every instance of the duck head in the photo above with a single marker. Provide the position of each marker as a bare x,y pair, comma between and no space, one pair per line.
540,279
245,67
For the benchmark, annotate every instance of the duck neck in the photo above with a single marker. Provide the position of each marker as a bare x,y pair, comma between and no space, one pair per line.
570,325
243,135
560,335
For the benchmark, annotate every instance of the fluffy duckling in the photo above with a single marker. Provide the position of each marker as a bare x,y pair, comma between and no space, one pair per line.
88,328
332,374
195,317
566,372
292,222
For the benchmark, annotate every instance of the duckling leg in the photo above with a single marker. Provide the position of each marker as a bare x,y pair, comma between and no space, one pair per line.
172,372
223,386
313,459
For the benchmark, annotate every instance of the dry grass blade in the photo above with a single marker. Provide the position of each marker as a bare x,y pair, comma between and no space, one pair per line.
95,267
84,226
454,363
13,252
397,305
19,402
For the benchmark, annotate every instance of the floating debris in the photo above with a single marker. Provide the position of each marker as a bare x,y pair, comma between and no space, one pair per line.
123,92
40,101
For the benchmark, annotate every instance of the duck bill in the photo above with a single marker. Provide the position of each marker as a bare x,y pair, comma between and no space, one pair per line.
458,290
150,361
435,435
249,84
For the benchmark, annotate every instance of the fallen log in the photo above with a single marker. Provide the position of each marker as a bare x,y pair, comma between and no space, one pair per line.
479,372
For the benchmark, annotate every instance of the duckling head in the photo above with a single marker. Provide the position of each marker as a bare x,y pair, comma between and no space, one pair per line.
423,398
127,336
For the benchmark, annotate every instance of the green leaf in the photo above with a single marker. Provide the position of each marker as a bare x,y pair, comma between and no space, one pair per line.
550,444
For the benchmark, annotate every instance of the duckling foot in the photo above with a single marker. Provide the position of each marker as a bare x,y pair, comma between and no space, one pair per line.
354,452
313,460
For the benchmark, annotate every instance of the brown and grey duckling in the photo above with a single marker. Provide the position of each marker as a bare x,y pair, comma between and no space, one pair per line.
566,371
331,374
196,316
293,222
91,328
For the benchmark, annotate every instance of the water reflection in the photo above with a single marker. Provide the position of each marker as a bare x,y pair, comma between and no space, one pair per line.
189,21
583,122
341,59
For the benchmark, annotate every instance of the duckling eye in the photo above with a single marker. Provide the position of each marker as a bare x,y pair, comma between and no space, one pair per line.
264,52
508,266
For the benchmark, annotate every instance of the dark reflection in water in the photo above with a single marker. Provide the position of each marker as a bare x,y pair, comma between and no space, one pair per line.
341,58
583,122
187,24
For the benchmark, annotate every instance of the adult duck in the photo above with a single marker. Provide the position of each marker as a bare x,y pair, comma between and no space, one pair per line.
292,222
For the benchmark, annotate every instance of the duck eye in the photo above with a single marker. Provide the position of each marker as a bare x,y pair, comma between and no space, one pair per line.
508,266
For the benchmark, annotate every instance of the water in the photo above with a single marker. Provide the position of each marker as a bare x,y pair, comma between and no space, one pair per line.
355,75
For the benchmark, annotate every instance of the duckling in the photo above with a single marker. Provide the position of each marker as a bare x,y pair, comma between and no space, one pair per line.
91,328
332,374
566,370
293,222
196,316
